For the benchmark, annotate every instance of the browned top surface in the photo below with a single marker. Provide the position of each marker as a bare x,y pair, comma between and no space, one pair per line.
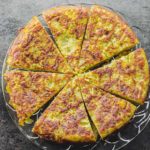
29,91
33,49
65,119
107,112
107,35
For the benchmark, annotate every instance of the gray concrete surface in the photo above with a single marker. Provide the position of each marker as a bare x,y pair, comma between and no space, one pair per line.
15,13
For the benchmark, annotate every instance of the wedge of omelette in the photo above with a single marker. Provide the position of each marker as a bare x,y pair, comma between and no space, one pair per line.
127,76
29,91
107,35
33,49
66,120
68,24
108,112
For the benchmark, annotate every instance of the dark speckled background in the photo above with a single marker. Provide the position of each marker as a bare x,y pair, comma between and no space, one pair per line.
15,13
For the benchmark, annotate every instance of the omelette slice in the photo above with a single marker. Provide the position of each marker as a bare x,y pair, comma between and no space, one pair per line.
107,35
108,112
127,76
66,120
33,49
67,24
29,91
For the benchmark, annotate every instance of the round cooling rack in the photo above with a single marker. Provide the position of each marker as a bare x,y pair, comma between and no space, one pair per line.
114,142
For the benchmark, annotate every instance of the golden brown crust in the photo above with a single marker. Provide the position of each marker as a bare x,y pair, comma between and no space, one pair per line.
65,119
33,49
107,35
108,112
29,91
68,24
127,76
